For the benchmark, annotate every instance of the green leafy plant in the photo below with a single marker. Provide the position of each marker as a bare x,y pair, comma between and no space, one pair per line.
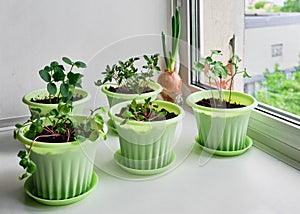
61,83
170,58
58,126
144,111
217,72
128,77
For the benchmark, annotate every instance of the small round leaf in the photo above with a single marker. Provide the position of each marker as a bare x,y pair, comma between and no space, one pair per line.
51,88
44,74
67,60
79,64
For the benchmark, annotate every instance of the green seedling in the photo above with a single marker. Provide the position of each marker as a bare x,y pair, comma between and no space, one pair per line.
127,76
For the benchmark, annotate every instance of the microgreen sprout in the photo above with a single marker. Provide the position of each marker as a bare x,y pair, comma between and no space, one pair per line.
142,111
60,127
61,84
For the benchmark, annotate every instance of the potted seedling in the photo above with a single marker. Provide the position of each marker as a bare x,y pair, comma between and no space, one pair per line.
60,152
170,79
61,85
125,81
146,131
222,115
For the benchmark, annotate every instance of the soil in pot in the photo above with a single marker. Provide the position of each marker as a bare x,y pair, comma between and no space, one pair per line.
218,103
53,100
150,115
125,90
50,135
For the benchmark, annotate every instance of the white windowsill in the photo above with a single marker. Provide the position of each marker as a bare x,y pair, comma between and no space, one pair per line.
254,182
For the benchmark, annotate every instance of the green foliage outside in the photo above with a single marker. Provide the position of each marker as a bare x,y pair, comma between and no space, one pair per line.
260,4
289,6
280,91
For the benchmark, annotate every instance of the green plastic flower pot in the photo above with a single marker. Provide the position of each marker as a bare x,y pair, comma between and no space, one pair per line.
222,129
115,98
146,145
64,170
42,93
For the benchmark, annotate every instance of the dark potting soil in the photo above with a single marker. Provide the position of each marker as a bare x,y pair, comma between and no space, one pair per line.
153,117
221,104
53,100
48,136
124,90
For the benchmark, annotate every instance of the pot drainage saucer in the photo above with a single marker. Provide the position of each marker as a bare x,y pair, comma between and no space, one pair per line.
247,146
28,186
118,160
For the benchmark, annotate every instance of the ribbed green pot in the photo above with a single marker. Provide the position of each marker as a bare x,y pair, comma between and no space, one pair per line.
64,170
115,98
147,145
43,93
222,129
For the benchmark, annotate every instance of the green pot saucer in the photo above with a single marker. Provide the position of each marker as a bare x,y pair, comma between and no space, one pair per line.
247,146
118,161
28,186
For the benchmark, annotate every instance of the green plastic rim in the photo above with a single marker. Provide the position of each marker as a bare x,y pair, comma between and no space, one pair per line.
240,98
55,146
171,107
42,93
118,97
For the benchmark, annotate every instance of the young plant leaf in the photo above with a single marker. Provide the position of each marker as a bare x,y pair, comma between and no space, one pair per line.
64,89
51,88
79,64
67,60
45,75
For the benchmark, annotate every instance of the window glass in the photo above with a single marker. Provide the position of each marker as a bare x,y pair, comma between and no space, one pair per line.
272,52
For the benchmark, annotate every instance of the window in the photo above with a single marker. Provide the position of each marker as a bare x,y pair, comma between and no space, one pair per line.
272,49
209,27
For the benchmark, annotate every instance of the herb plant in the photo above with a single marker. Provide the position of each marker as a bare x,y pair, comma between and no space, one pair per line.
60,83
60,127
217,72
127,76
144,112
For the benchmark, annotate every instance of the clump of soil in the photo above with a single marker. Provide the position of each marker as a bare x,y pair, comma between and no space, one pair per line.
125,90
53,100
220,104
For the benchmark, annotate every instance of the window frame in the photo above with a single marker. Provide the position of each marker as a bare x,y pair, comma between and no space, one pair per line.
273,131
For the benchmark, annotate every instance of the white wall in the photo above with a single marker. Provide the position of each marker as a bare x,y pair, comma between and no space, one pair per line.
35,32
222,20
